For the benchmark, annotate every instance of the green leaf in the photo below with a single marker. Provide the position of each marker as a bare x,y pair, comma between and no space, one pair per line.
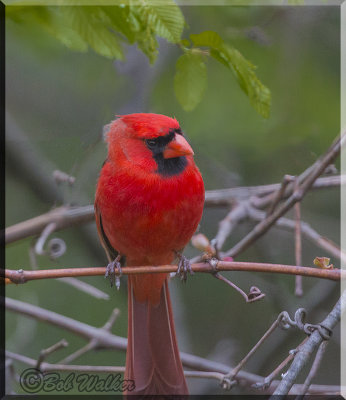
190,80
185,42
259,95
208,39
50,20
163,17
101,27
64,33
121,20
151,18
91,24
168,22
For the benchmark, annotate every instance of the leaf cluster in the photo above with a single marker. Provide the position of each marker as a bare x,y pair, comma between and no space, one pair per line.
105,28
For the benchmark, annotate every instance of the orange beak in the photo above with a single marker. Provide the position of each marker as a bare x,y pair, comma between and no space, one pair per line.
177,147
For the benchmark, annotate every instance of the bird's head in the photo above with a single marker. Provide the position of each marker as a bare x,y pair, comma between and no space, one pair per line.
153,142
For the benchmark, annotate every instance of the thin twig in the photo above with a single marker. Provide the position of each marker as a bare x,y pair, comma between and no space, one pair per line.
85,287
48,367
309,347
254,295
298,243
48,229
279,194
63,217
309,178
46,352
21,276
269,378
78,353
264,193
306,230
318,295
231,375
63,177
32,257
314,368
93,343
238,213
111,320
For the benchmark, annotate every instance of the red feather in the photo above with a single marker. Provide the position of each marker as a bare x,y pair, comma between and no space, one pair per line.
147,217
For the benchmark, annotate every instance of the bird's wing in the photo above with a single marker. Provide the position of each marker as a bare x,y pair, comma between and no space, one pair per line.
110,251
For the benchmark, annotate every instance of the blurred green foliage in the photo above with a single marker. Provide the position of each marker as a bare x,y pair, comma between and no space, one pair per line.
60,100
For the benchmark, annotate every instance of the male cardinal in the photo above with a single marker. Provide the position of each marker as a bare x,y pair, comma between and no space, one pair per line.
149,201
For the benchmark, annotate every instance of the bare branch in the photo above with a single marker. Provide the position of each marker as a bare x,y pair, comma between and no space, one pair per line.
306,180
298,243
46,352
109,340
63,217
254,295
63,177
283,321
79,328
279,194
307,231
39,246
21,276
47,367
78,353
314,368
85,287
269,379
238,213
309,347
226,197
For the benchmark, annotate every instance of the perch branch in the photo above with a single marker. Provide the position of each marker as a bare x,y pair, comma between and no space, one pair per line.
21,276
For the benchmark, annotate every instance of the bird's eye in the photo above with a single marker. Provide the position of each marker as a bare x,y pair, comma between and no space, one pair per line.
151,143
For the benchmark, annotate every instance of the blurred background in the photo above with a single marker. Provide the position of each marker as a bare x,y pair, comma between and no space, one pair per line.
58,101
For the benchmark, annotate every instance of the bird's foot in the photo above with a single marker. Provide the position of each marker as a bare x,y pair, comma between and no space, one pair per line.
114,272
184,267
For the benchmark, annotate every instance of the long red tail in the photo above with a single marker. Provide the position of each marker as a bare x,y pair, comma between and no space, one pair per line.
153,360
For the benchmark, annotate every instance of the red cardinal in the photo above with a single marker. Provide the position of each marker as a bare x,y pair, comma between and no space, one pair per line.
149,201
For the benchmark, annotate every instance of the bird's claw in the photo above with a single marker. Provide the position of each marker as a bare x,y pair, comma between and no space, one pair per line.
213,262
114,272
184,267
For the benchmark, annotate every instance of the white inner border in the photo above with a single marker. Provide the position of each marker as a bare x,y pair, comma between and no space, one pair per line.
343,192
343,106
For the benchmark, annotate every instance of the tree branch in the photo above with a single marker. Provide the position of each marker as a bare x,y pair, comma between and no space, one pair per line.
305,351
21,276
307,231
306,180
225,197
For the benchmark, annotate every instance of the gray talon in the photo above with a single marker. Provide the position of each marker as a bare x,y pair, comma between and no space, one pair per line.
184,267
114,272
